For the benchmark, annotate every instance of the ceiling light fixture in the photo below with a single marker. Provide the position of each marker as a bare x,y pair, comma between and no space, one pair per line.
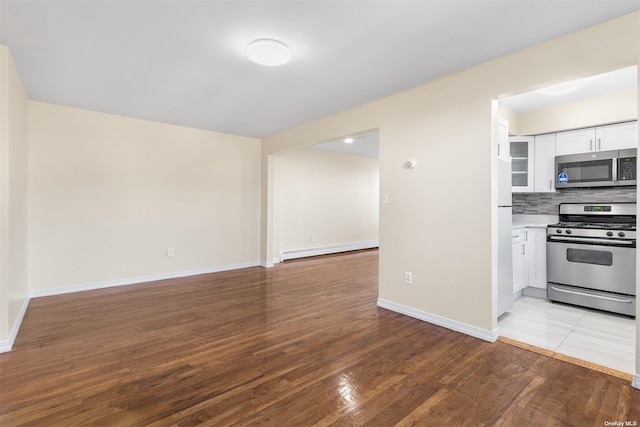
563,88
269,52
348,140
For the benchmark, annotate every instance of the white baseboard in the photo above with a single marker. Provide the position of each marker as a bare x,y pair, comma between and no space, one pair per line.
7,345
134,280
635,381
303,253
454,325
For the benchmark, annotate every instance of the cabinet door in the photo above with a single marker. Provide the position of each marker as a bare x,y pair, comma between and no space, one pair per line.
519,265
503,139
522,157
616,137
544,164
536,252
575,141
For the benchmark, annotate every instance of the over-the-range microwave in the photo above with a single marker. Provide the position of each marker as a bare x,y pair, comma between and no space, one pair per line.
597,169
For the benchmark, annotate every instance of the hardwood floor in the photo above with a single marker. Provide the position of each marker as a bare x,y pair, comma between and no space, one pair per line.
300,344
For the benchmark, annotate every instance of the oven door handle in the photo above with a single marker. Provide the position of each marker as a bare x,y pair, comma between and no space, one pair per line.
590,240
584,294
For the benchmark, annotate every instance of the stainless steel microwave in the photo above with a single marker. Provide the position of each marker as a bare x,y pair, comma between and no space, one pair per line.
597,169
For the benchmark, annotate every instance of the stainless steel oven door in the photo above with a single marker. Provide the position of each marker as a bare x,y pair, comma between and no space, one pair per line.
605,268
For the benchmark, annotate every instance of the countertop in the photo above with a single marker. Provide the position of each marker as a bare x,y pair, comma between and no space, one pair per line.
531,221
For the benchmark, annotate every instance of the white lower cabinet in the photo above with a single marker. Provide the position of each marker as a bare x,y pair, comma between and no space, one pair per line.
518,251
536,249
529,257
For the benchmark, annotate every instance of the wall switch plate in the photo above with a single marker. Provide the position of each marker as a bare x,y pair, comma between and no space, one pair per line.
408,278
171,251
385,198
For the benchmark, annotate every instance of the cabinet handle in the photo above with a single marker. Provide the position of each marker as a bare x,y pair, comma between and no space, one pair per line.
522,249
599,143
550,184
591,145
498,149
526,236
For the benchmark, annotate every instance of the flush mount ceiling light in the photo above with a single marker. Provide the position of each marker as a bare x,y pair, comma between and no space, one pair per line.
564,88
268,52
348,140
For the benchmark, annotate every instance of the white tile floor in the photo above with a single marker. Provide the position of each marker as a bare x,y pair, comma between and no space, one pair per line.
591,335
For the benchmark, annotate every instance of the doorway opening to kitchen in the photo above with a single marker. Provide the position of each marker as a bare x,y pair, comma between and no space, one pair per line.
326,197
594,116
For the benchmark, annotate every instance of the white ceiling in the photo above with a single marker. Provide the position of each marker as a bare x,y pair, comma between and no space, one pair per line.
183,62
363,145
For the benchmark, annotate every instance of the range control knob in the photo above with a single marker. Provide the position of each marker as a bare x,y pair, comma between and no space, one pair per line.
568,231
609,233
558,231
621,234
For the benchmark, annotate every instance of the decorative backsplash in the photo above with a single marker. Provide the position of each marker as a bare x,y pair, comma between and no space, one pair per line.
547,203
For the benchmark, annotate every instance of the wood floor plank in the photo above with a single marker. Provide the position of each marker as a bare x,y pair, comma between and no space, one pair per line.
302,343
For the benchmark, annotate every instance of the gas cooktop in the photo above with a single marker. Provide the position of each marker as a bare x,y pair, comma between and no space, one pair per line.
596,225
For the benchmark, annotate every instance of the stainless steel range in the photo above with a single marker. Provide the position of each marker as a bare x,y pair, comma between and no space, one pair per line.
591,256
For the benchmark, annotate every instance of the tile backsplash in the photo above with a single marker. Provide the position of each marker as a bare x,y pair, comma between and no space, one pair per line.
547,203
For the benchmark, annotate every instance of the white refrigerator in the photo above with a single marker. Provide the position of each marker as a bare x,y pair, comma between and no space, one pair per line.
505,262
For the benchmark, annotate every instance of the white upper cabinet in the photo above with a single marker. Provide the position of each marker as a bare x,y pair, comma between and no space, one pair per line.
545,153
601,138
617,137
503,139
522,152
575,141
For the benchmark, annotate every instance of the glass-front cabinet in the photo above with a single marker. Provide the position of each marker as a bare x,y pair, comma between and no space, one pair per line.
522,157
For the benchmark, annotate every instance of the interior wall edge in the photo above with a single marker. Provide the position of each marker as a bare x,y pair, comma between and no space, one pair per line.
7,345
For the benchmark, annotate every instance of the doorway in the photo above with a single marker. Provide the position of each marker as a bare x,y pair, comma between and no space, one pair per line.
326,197
539,117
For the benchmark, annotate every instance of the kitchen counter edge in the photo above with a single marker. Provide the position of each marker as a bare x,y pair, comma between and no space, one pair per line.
533,221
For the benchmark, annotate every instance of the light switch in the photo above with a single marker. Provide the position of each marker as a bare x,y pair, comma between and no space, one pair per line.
385,198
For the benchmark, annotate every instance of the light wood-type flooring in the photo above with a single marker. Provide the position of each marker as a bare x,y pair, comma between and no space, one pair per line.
300,344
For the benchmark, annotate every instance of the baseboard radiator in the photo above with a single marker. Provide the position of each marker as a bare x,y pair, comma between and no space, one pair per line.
327,250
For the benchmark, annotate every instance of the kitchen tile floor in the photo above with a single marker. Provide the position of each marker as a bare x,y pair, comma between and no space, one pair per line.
591,335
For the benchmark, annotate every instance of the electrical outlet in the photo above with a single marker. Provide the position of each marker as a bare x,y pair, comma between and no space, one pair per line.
313,237
408,278
171,251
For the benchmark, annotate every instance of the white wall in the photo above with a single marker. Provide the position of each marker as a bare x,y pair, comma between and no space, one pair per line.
511,117
13,200
109,195
613,108
442,216
330,196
